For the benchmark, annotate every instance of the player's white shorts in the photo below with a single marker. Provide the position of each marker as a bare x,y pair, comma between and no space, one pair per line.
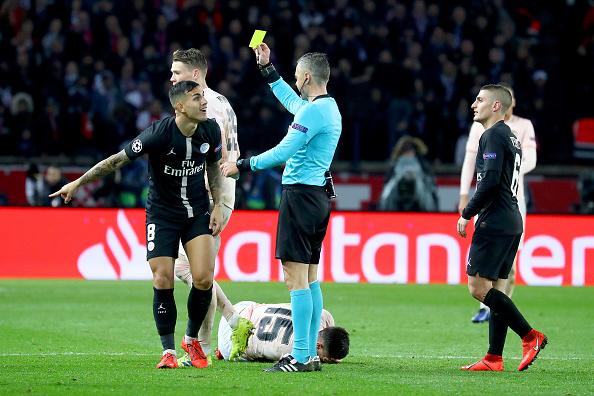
225,331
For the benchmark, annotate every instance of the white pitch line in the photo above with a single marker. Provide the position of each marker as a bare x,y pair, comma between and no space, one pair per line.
77,354
439,357
447,357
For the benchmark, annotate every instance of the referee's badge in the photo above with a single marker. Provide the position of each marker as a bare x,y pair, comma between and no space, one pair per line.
204,148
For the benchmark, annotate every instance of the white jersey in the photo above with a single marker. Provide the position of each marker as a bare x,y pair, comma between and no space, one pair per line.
523,129
220,109
273,330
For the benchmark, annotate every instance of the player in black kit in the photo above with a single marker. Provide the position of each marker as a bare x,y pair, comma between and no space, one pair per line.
497,230
179,148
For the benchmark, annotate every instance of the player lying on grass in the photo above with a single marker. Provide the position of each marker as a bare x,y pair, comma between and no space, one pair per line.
272,337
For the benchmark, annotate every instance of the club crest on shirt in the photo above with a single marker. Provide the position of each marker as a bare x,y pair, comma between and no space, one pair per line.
137,146
516,142
489,156
204,148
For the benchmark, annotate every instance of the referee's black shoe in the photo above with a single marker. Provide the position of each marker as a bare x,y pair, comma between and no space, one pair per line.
289,364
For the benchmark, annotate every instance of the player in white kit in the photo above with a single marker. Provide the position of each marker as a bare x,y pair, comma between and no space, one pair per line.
273,334
191,65
524,130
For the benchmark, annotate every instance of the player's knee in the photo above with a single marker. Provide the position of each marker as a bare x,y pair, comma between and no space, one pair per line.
476,292
162,280
203,283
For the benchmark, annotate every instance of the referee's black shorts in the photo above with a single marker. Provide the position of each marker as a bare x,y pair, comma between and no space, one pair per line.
492,255
302,221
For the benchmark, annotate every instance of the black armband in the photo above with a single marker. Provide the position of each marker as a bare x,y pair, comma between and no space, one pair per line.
269,73
243,164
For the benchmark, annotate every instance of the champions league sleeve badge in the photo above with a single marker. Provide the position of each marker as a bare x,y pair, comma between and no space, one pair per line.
137,146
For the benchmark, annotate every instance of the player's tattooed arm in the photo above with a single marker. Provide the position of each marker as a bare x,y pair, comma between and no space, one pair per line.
215,181
102,168
105,167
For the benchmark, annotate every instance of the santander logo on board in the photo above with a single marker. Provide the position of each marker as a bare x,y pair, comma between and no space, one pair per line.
359,247
94,263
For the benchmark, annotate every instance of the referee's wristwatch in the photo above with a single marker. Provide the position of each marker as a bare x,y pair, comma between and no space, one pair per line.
269,72
243,165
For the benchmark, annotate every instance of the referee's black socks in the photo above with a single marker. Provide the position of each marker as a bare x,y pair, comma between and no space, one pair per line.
504,306
165,313
198,303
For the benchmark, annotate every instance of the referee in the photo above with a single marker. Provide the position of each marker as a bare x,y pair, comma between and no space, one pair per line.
498,229
307,149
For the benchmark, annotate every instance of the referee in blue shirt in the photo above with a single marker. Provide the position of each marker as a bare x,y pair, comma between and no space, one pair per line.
307,149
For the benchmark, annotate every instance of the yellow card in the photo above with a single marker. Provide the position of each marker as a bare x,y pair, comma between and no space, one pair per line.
257,38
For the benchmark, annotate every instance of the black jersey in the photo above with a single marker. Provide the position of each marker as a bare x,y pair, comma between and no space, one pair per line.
176,165
498,173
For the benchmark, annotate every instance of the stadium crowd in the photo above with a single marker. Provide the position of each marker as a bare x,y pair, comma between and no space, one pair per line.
81,77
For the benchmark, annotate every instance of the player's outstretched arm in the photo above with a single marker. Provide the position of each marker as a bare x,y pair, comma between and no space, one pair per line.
101,169
215,182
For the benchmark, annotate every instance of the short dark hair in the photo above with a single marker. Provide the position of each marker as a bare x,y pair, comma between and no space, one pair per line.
336,341
193,57
181,88
317,64
507,86
501,94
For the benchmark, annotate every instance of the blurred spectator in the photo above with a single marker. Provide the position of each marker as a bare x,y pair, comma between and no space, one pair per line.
92,70
34,185
410,185
21,125
52,182
586,190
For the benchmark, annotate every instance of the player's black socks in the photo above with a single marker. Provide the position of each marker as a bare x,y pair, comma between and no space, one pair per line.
504,306
497,333
165,313
198,303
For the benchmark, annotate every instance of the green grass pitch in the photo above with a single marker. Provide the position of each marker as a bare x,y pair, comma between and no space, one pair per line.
82,337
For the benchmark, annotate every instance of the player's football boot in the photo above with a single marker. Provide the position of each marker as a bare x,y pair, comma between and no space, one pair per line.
315,363
532,343
218,354
483,315
197,356
168,360
288,364
239,338
488,363
185,360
